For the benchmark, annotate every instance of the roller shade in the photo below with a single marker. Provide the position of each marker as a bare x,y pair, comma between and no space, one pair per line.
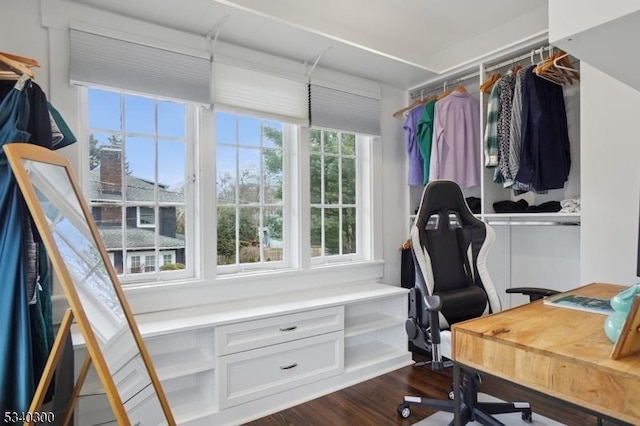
261,93
114,62
337,109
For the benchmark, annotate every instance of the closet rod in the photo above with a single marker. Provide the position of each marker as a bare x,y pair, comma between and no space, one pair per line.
531,53
439,86
436,85
533,223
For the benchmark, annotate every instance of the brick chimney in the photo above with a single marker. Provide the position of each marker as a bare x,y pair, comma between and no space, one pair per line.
111,170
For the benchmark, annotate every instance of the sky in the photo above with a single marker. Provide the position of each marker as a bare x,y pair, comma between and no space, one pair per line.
105,116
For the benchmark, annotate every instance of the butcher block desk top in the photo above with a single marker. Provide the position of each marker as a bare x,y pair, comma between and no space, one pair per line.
557,351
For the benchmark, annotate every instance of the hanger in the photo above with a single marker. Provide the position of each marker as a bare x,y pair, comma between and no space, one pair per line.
488,83
445,92
14,68
409,107
546,70
460,88
562,62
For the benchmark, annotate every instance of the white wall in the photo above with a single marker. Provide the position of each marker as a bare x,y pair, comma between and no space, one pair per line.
610,161
22,32
395,194
569,17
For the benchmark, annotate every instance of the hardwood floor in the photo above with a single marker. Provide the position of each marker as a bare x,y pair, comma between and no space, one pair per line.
374,402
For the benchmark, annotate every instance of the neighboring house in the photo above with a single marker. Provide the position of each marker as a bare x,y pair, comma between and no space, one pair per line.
107,201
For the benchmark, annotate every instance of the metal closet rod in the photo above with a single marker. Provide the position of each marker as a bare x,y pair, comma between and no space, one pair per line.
533,223
438,85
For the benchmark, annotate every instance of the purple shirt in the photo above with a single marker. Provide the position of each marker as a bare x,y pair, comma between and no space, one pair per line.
413,151
455,150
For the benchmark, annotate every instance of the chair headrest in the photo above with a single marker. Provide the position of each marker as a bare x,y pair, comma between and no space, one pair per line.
444,196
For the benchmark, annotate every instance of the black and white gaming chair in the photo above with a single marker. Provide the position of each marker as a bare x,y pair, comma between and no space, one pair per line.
450,247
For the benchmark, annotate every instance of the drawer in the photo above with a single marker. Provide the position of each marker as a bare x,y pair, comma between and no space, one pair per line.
247,335
249,375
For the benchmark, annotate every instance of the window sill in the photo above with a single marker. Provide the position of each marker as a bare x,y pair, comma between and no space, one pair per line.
159,296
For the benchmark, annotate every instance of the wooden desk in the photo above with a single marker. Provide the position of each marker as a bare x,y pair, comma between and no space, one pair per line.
557,351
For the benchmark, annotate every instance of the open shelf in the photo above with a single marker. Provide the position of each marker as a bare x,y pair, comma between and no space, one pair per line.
181,363
365,323
189,404
369,353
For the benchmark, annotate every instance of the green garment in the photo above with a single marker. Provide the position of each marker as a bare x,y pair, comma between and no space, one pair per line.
424,136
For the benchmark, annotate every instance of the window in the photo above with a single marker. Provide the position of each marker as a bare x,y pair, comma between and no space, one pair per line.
249,188
138,167
150,263
146,217
334,190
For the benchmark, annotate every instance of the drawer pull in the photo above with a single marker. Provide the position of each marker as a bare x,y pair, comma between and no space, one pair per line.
293,327
289,367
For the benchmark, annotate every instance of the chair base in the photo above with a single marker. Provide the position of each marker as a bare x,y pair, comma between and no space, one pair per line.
471,409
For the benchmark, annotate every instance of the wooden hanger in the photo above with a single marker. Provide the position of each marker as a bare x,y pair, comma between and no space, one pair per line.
488,83
562,62
460,88
27,61
411,106
7,63
546,70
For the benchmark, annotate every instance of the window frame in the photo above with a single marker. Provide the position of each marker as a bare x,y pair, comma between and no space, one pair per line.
191,132
290,137
364,178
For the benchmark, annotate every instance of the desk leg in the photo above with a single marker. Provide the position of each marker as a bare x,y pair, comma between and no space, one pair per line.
457,396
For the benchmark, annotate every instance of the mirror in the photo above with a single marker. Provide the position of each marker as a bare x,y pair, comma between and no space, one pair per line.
91,286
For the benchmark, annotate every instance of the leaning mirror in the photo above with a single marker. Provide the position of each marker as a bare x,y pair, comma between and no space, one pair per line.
97,301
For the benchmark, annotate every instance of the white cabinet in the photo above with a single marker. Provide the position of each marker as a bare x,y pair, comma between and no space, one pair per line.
231,363
249,375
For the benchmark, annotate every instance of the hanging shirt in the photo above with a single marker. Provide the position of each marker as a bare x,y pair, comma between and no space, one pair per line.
545,159
507,84
515,127
455,152
413,152
425,136
491,128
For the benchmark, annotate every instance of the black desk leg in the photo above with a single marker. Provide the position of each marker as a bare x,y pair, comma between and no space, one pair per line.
457,396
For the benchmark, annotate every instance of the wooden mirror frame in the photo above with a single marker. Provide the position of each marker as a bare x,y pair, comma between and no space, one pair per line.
16,154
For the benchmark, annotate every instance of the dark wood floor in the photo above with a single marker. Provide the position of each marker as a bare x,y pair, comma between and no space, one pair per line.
374,402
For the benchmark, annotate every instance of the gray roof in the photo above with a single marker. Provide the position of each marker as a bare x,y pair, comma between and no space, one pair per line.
137,190
139,239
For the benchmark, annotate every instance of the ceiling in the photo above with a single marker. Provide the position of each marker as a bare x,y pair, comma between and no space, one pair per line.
398,42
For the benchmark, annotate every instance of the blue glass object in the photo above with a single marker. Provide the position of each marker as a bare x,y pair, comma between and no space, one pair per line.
621,303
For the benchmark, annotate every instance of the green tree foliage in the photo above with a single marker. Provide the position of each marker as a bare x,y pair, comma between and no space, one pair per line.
333,162
338,170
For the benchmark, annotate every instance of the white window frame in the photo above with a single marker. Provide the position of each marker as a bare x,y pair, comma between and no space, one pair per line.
364,228
192,133
139,216
290,137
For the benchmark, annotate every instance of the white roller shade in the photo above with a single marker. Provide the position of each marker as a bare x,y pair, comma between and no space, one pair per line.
337,109
130,65
265,94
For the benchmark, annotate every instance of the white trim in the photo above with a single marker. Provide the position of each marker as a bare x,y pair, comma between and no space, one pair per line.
145,225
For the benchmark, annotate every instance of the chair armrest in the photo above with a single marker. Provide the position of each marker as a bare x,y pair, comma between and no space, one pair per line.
534,293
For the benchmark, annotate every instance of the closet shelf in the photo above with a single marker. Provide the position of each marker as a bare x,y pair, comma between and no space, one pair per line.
514,219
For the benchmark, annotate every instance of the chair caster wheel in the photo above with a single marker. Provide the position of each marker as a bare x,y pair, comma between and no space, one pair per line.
404,411
527,417
451,394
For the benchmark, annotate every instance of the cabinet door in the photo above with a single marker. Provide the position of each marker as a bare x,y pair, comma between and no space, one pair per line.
249,375
262,332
